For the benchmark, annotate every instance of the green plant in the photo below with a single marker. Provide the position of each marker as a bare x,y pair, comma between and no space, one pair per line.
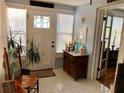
13,46
33,54
11,42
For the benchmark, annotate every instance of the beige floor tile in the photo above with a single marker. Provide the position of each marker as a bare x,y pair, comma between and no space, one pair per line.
63,83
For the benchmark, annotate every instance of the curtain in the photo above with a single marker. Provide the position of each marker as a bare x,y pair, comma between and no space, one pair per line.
3,38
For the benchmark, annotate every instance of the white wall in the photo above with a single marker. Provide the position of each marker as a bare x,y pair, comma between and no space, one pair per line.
56,6
65,7
89,12
3,38
1,1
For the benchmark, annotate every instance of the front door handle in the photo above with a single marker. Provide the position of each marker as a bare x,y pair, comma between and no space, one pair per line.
52,42
53,46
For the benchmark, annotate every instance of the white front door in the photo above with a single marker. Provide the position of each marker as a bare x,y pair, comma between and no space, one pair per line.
42,30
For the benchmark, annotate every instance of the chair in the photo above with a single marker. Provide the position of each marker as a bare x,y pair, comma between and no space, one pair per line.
10,86
7,75
28,82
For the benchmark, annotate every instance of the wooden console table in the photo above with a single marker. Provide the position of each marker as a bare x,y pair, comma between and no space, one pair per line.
75,64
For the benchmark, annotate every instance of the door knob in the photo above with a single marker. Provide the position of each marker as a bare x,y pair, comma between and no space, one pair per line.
53,46
52,42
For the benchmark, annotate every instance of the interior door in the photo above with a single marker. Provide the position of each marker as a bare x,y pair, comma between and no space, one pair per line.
42,30
105,43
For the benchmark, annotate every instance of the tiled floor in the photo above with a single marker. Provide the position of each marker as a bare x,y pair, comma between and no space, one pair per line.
63,83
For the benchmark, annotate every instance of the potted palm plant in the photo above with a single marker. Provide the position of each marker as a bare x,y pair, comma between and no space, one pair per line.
33,53
13,45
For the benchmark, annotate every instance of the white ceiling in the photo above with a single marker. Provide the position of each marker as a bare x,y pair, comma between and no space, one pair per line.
67,2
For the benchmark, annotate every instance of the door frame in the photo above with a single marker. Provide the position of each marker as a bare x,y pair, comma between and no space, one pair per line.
97,37
100,70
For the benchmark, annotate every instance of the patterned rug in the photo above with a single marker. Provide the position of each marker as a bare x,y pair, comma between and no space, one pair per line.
109,77
43,73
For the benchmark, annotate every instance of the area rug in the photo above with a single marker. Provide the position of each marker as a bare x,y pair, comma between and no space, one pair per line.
108,79
43,73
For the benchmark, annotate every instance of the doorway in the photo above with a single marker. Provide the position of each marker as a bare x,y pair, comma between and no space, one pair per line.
37,25
109,47
41,24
